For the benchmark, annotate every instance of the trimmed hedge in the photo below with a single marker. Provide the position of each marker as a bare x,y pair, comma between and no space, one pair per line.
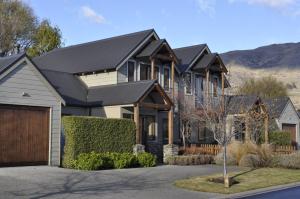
184,160
87,134
280,138
98,161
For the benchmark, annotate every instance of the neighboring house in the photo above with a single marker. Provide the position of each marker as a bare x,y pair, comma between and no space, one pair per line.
286,116
137,76
30,114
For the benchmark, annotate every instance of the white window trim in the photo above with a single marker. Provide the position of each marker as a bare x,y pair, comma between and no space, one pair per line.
163,80
134,73
191,84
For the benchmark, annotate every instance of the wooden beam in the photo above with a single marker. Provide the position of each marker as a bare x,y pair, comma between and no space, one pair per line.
155,106
136,116
173,80
152,68
223,84
163,57
170,126
266,122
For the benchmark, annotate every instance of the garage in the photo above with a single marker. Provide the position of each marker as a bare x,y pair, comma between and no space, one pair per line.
24,135
30,115
291,128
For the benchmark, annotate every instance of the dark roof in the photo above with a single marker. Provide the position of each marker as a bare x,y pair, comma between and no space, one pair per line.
276,106
119,94
151,48
186,55
238,104
7,62
92,56
75,93
205,61
68,86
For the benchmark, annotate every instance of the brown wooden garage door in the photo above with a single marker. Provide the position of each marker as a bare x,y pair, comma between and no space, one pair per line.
24,135
292,129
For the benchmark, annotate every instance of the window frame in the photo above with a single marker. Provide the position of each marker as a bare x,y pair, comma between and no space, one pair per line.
140,66
185,88
134,70
169,78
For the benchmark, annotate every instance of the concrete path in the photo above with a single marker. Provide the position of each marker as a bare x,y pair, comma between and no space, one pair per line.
145,183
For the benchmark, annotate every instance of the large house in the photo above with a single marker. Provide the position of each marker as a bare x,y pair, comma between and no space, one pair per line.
137,76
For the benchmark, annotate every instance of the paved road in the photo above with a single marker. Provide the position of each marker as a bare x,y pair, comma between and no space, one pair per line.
52,182
291,193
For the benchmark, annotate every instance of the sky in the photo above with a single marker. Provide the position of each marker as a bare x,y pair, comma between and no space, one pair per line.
224,25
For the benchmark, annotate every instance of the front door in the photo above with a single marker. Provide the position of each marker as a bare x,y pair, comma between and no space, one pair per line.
148,129
198,90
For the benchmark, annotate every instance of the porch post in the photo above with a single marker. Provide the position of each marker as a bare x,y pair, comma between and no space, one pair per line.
152,68
136,116
170,125
173,80
223,84
266,129
247,129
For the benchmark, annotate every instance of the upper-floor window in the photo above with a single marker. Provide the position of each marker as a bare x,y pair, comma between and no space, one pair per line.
156,73
145,72
215,86
130,70
188,83
198,85
166,78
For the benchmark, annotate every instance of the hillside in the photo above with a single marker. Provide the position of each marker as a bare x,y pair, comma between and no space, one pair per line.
281,61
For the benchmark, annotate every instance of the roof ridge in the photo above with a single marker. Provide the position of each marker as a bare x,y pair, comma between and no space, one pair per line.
91,42
192,46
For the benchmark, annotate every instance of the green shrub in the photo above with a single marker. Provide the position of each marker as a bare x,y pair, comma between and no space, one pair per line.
280,138
89,161
190,160
123,160
87,134
290,161
146,159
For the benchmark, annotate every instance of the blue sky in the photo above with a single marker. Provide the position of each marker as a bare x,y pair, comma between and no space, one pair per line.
223,24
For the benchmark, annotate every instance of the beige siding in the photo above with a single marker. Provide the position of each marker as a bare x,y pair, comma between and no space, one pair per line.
26,79
107,111
122,74
100,79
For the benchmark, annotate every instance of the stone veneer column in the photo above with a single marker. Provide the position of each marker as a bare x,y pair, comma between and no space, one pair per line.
170,150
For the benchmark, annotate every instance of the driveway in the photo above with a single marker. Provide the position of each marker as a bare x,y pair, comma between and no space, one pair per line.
52,182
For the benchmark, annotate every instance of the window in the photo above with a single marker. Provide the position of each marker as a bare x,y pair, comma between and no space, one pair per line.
215,87
156,73
167,79
188,83
128,116
130,71
145,72
201,131
165,129
149,127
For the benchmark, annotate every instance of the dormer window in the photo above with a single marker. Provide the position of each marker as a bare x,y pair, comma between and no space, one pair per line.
130,70
188,83
167,78
145,72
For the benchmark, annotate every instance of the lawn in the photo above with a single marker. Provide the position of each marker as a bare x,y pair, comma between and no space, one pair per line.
247,180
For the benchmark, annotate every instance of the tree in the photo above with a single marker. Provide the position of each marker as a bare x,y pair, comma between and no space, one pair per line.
266,87
45,39
17,26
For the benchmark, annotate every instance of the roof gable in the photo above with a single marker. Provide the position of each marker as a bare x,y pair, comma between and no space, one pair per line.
93,56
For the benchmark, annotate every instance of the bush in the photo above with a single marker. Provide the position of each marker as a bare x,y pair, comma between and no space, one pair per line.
87,134
280,138
146,159
190,160
290,161
123,160
250,160
89,161
231,160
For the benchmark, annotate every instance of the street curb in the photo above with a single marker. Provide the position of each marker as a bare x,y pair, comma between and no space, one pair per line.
259,191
